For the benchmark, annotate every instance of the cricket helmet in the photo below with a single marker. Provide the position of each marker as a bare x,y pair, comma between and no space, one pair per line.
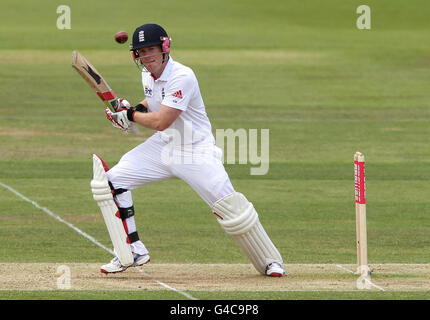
150,34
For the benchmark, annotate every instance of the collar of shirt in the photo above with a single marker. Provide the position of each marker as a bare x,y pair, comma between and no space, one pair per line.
167,70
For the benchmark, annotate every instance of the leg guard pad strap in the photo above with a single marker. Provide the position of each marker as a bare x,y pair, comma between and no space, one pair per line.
133,237
126,213
116,191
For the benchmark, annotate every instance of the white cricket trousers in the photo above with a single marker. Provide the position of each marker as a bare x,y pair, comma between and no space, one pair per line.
157,159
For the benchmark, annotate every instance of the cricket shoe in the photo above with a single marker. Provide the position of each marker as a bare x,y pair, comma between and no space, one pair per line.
115,265
275,269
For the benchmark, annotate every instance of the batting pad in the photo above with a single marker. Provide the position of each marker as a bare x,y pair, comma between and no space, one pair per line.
239,219
103,195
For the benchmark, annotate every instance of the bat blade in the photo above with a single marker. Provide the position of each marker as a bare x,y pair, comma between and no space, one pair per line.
96,81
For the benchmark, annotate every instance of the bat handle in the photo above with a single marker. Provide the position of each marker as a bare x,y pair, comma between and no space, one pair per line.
114,104
133,128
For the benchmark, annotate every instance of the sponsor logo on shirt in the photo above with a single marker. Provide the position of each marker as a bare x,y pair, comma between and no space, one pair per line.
178,94
148,91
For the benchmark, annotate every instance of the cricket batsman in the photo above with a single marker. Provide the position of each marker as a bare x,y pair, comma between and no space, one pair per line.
182,146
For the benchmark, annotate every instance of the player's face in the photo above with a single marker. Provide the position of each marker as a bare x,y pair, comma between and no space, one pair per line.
151,58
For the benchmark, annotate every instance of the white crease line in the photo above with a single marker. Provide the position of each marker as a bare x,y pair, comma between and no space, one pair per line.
374,285
367,280
167,286
345,269
82,233
50,213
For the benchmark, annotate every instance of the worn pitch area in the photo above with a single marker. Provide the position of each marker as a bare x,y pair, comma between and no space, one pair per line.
210,277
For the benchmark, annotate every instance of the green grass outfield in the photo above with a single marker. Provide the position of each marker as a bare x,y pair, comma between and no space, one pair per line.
301,69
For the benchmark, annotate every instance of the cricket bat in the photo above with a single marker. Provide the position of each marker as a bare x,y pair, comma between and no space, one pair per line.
97,82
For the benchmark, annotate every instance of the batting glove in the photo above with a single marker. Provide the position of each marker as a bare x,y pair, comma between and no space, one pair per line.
123,104
118,119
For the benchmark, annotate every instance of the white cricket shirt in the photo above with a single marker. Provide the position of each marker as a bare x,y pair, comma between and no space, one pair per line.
178,88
